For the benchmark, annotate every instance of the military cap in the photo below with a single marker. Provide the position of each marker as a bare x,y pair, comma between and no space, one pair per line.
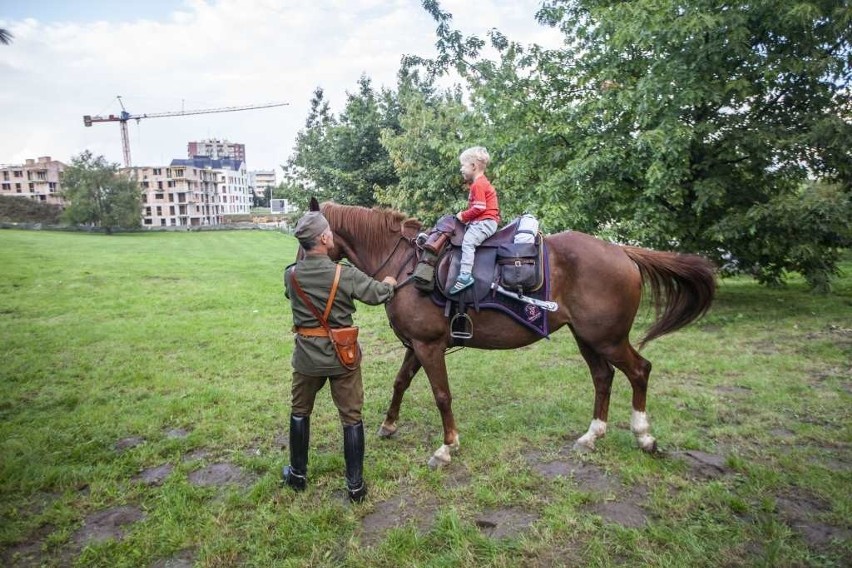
310,226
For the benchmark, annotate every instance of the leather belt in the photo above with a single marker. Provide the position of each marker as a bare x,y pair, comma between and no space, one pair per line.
311,331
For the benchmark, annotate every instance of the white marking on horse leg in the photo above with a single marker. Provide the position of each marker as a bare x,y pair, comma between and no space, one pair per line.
456,443
597,429
641,430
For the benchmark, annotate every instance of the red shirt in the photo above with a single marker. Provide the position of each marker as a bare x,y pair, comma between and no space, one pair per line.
481,202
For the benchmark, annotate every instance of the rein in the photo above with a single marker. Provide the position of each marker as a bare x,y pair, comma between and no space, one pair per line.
412,256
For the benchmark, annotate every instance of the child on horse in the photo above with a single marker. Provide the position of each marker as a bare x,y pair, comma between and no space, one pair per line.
482,214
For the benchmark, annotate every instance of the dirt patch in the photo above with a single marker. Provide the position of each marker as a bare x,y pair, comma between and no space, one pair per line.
107,524
218,474
281,440
177,433
587,475
800,512
505,523
782,433
622,512
457,476
28,552
703,465
128,443
196,455
183,559
396,512
154,476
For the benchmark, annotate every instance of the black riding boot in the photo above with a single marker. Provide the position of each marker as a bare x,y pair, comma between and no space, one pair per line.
296,474
353,453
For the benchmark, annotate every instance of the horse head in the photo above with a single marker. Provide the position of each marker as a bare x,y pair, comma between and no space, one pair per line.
368,238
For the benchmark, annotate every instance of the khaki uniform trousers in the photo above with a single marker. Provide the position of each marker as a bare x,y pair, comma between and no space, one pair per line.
347,391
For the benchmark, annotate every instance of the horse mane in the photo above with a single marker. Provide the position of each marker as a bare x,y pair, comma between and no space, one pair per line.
369,227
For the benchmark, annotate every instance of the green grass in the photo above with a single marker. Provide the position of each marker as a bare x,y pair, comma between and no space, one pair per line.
133,336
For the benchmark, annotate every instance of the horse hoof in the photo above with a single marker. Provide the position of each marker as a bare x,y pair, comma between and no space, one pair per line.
435,463
582,448
386,431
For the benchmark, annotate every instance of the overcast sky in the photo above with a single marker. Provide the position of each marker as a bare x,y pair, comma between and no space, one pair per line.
69,58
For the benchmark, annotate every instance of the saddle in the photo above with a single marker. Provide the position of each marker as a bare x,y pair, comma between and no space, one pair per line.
504,270
516,266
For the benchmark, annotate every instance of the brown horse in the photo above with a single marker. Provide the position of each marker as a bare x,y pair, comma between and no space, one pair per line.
597,286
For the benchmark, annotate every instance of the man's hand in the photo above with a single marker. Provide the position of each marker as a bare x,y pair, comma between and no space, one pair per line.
389,280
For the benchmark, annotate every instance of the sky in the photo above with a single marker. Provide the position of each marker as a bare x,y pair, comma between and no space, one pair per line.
70,58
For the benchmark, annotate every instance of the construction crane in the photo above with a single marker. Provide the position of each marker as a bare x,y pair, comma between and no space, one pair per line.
122,119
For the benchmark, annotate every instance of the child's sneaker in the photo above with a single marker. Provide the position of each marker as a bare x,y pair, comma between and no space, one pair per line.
462,282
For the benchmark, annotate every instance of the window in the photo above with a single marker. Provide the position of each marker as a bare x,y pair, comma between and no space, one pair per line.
158,171
162,222
160,186
148,211
147,221
52,186
7,186
172,210
159,211
158,196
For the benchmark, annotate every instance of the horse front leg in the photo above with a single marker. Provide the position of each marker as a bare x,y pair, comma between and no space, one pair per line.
410,366
602,375
431,356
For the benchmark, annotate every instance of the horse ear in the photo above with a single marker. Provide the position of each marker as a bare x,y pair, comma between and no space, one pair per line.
314,206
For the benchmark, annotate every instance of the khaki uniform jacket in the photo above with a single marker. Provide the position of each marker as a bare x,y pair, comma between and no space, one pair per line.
315,356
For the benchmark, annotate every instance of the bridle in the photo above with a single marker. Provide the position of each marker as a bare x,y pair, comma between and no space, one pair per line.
412,256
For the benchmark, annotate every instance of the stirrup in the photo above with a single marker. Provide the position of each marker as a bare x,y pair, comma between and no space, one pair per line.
466,328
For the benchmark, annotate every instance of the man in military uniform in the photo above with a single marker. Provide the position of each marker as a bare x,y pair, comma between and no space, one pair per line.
314,357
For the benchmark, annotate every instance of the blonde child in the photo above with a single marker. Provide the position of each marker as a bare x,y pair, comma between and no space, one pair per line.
482,214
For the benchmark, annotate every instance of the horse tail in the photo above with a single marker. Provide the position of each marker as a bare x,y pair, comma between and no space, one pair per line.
682,287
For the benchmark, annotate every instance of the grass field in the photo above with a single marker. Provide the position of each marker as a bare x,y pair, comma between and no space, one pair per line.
145,383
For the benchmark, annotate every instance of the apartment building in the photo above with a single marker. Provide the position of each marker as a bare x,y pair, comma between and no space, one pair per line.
232,182
260,180
216,149
37,179
192,193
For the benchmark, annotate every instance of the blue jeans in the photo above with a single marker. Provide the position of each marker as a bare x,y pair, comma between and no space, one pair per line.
476,232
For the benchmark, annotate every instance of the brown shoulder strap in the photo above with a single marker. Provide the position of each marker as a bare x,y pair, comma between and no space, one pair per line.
332,294
320,317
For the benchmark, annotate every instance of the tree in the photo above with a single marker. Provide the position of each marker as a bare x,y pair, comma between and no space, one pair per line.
98,194
341,158
696,125
425,150
5,36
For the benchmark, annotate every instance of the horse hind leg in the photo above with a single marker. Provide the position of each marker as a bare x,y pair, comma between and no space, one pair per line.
602,375
410,366
637,369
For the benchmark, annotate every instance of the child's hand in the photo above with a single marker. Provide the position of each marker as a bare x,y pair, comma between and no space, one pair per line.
459,216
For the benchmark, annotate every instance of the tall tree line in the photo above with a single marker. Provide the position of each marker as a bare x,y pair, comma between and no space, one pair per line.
722,128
